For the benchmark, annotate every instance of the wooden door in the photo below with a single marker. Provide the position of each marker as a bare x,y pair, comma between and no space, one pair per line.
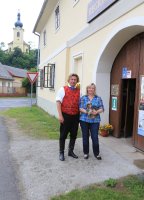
125,117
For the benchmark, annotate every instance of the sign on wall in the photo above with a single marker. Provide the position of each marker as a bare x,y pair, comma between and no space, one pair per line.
115,89
96,7
141,108
126,73
114,103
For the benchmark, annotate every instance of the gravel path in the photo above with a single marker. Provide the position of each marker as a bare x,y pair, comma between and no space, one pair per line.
42,175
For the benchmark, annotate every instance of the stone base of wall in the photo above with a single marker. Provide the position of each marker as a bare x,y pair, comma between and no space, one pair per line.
48,106
12,95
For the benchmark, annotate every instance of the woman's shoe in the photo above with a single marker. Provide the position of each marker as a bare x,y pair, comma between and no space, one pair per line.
86,156
98,157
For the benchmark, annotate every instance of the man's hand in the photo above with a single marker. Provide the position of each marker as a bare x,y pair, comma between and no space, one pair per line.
61,119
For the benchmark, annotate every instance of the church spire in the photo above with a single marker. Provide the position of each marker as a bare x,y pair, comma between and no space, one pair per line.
18,23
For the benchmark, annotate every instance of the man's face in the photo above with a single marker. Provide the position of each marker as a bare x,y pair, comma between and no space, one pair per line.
73,81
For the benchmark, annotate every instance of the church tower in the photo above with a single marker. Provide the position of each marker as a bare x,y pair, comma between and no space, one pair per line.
18,33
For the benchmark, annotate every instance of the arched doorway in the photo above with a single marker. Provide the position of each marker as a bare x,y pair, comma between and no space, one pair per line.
107,53
126,71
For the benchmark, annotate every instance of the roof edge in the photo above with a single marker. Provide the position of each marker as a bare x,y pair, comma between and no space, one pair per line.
40,14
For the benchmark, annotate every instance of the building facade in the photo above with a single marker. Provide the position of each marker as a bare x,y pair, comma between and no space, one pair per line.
18,37
103,42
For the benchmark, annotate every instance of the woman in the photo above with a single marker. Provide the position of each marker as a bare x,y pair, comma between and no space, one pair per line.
90,120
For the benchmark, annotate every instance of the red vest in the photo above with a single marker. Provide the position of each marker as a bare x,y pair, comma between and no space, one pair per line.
70,104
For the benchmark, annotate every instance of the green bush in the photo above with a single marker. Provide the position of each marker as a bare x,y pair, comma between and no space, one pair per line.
110,182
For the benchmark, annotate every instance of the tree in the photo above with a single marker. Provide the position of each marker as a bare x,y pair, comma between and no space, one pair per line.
19,59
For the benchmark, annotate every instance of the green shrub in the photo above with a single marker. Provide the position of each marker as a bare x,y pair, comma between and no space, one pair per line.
110,182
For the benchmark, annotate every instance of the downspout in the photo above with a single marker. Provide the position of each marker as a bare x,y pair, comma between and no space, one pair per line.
38,61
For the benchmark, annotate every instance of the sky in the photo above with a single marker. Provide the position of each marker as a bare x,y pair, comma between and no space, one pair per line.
29,10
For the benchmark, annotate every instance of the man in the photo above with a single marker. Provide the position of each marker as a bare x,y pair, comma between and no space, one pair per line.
68,110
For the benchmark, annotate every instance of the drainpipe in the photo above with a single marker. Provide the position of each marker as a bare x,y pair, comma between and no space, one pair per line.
38,60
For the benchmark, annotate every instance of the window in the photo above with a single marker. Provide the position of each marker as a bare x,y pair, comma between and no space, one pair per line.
18,34
49,75
8,84
57,18
44,38
40,79
3,84
46,76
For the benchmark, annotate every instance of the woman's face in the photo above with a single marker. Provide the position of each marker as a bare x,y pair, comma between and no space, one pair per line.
91,90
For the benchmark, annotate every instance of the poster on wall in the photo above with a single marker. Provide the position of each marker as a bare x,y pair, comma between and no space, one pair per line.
141,109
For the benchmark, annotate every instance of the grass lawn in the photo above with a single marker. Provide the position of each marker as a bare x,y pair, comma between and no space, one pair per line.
35,122
128,188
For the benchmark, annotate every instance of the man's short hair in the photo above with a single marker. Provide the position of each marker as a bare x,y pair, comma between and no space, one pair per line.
73,75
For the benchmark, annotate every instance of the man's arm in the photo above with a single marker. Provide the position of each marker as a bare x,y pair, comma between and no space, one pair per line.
61,119
59,99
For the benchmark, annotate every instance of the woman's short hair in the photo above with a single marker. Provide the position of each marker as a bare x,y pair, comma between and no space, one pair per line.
92,84
73,75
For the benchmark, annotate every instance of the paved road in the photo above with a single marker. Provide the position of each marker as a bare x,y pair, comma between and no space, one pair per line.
8,185
8,182
15,102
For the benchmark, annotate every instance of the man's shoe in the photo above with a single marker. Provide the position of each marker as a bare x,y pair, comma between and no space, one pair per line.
71,153
61,156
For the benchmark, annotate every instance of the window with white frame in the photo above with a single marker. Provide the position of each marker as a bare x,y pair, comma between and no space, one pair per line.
57,17
49,75
40,79
44,38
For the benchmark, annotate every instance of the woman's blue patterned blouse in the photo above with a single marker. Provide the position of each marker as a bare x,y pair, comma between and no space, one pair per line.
96,103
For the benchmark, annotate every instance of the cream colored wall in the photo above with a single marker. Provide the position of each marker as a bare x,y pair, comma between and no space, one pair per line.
17,82
72,20
60,77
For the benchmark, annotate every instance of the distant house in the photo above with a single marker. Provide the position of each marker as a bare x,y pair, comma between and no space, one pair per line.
11,81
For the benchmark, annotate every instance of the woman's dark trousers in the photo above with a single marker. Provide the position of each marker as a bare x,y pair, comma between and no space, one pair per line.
87,129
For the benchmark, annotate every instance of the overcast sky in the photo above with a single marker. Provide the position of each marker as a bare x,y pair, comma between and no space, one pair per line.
29,10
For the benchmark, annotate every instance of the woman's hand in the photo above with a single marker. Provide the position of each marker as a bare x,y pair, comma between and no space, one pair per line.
94,112
83,110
